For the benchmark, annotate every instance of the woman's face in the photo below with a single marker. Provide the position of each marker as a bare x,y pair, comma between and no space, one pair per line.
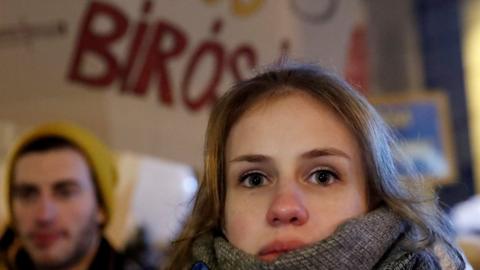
294,173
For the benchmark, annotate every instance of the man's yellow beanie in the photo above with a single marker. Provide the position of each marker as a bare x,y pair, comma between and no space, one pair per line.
98,156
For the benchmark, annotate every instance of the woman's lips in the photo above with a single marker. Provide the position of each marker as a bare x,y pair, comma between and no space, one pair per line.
271,251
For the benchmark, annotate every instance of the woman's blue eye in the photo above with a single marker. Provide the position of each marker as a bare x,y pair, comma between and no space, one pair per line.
323,177
252,180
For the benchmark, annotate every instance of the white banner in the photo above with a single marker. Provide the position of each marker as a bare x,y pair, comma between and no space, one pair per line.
143,74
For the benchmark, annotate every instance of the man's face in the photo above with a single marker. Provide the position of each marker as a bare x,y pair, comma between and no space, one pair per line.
55,211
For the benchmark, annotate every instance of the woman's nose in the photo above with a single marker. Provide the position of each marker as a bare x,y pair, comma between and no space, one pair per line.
287,208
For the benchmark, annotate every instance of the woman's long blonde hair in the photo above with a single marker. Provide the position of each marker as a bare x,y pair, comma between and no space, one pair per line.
407,196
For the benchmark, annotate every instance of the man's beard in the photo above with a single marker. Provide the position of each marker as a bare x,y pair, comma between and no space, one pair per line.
87,239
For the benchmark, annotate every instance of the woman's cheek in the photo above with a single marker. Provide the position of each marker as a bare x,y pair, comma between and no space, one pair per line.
237,222
242,227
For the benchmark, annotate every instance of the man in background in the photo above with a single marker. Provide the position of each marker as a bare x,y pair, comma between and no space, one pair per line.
59,181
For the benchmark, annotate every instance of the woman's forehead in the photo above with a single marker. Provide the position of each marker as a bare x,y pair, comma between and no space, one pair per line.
297,119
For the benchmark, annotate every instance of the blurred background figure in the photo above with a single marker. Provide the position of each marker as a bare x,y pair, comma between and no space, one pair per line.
59,194
69,206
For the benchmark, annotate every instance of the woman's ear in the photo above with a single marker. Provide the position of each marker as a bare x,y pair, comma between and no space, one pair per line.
101,216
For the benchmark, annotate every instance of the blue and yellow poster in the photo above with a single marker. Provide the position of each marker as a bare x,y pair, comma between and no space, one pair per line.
422,122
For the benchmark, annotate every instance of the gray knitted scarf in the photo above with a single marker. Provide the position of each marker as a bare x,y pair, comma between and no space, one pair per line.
368,242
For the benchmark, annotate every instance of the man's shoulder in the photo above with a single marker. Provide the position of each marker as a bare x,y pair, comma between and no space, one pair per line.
109,258
9,250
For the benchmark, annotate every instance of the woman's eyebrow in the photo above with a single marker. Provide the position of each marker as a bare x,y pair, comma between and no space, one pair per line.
325,152
252,158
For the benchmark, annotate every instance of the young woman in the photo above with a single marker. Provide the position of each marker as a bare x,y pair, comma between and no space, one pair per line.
300,174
